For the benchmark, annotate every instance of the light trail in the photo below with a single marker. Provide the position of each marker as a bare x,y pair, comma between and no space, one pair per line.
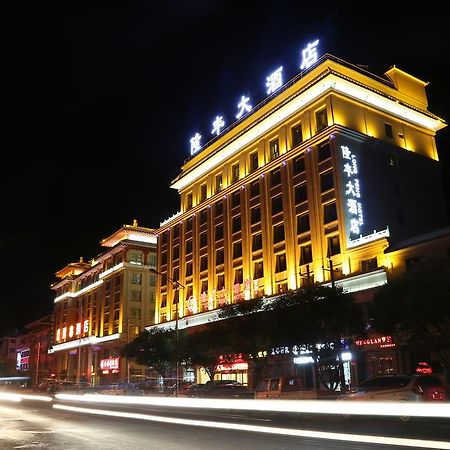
359,438
350,407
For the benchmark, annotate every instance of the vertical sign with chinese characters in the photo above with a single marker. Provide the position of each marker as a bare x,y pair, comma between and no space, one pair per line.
352,193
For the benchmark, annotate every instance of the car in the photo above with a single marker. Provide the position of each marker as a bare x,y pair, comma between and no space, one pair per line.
399,387
223,389
121,389
283,388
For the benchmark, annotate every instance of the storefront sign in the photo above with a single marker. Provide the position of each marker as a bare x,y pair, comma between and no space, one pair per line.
424,367
110,364
23,359
73,330
230,363
382,342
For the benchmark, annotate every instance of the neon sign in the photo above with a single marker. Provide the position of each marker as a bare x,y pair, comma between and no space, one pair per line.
110,363
78,329
382,341
352,191
274,81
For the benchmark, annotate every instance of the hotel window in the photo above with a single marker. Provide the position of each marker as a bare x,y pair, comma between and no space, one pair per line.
204,286
388,130
299,165
235,199
334,247
219,184
176,296
219,257
301,193
152,259
254,189
280,264
136,278
275,177
203,239
189,224
136,258
256,242
163,300
220,282
278,233
164,238
282,288
237,249
219,208
277,204
176,274
204,262
176,231
258,271
189,269
189,201
321,119
324,151
152,279
163,258
136,296
188,246
305,254
176,252
329,212
303,223
297,135
274,149
253,161
326,181
238,276
203,192
219,232
235,173
255,215
368,265
203,216
236,224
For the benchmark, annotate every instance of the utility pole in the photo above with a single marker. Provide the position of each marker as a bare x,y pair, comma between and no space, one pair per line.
37,362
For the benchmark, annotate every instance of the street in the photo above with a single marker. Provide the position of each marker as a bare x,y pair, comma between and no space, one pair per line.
66,424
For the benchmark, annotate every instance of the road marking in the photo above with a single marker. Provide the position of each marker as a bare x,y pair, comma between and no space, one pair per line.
360,438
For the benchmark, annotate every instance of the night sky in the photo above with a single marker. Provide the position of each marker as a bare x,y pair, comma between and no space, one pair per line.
100,100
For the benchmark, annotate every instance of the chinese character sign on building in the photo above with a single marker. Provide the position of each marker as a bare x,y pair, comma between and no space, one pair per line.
352,193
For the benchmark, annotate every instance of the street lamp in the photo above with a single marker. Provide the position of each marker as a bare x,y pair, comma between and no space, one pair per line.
176,285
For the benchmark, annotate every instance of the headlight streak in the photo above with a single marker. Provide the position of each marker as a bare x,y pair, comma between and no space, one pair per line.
10,397
383,440
41,398
350,407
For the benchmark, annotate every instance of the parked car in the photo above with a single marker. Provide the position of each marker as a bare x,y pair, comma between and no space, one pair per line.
121,389
283,388
222,389
399,387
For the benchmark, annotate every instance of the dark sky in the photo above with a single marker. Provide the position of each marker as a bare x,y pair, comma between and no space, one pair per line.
100,100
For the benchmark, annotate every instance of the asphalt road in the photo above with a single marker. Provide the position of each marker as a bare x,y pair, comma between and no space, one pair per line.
33,424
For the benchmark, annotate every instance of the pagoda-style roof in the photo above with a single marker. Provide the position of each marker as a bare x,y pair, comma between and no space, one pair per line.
73,269
130,233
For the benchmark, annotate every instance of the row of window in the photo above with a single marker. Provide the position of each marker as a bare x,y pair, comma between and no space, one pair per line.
300,196
303,226
324,152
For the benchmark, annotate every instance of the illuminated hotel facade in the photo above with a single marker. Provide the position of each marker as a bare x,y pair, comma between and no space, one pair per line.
103,304
330,170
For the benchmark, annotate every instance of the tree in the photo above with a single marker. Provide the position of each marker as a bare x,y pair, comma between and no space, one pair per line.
309,316
414,307
155,348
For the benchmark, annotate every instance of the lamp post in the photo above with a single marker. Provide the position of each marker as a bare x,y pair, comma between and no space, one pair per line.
177,285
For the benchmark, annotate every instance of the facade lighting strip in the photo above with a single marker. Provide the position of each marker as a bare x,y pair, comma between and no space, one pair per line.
330,83
90,340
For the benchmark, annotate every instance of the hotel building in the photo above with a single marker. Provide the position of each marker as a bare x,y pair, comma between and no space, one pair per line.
103,304
327,172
